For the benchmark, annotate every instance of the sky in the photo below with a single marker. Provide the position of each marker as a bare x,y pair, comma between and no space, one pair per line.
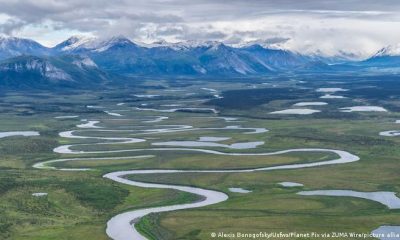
327,27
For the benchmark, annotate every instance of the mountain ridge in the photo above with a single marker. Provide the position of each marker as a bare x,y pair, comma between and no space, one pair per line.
78,57
27,71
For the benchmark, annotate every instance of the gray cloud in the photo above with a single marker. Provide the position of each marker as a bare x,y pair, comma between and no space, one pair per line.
11,25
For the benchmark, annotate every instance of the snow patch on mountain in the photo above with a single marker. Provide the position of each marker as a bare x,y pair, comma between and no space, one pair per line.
92,44
392,50
184,45
75,42
84,62
45,68
12,47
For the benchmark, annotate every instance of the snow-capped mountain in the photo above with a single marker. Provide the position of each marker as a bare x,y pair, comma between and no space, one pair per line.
387,57
392,50
218,58
82,44
12,47
275,59
339,58
115,42
47,72
244,59
181,46
119,55
73,43
184,58
277,44
194,58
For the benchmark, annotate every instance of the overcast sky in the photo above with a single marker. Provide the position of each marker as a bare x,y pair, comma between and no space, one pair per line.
328,26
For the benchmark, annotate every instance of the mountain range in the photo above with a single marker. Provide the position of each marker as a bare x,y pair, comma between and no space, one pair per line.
91,61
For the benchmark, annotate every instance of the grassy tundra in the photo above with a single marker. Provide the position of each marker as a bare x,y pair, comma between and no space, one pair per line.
79,204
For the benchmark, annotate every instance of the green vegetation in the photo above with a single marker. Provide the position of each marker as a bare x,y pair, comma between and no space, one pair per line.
102,198
149,226
79,204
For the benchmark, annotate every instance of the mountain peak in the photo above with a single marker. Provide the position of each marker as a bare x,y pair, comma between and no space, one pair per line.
391,50
13,46
17,41
73,43
78,38
114,41
277,44
84,43
183,45
119,38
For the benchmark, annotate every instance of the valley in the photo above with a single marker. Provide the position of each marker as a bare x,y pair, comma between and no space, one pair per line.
199,120
212,150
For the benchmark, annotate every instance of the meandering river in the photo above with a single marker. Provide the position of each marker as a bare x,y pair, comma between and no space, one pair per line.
120,227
